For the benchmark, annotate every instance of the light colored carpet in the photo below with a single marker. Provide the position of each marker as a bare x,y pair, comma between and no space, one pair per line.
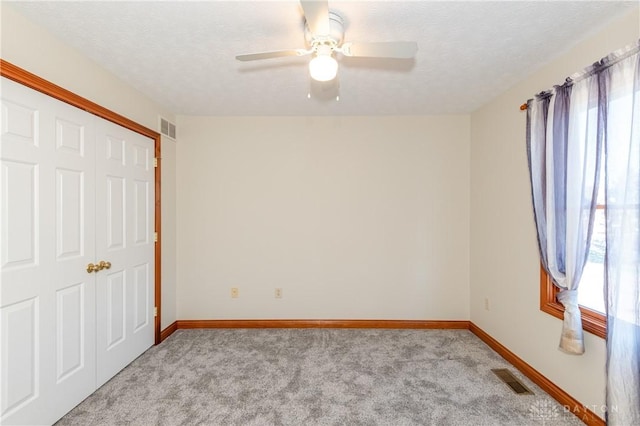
317,377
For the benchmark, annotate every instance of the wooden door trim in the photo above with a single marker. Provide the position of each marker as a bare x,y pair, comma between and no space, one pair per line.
21,76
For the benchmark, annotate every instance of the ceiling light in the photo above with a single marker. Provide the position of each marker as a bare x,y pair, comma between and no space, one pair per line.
323,67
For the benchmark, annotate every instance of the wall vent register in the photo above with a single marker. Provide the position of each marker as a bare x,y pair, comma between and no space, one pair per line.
167,128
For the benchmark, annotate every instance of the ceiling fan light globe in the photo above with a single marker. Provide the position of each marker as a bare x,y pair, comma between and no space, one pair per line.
323,68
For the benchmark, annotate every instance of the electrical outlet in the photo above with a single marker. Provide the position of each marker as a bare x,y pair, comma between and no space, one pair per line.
486,303
278,293
234,292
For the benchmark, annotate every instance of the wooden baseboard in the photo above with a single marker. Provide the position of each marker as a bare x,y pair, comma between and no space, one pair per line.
298,323
168,331
570,403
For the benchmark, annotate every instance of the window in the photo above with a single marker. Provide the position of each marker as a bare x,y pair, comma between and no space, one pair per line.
592,320
591,289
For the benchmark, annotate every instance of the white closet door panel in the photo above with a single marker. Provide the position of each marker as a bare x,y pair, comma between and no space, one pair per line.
71,355
115,308
142,302
20,356
47,299
26,264
19,214
141,235
20,178
70,206
116,218
124,237
20,119
74,347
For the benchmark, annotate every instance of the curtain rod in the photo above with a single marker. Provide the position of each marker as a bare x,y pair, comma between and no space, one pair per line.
606,62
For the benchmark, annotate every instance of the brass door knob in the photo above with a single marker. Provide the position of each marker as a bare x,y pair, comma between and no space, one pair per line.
104,265
93,268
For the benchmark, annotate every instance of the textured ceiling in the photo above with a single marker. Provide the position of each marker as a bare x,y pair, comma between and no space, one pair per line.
182,54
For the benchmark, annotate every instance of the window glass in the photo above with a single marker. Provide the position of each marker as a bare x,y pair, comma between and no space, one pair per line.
591,290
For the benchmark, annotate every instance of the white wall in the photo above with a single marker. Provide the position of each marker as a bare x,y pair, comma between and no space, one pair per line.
504,257
353,217
34,49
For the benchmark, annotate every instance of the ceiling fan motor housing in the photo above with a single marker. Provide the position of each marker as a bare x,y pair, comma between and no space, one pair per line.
333,39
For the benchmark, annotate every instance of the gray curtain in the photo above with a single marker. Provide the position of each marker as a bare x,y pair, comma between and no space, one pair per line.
620,83
593,117
564,142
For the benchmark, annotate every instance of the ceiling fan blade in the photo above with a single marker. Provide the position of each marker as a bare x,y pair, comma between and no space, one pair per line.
316,12
390,49
270,55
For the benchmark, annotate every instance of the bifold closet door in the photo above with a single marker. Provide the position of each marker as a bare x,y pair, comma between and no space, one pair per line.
125,185
75,190
47,298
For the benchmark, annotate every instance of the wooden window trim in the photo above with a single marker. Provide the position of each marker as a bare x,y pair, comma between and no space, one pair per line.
592,321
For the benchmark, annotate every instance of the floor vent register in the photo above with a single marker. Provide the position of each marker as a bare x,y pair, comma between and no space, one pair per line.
516,385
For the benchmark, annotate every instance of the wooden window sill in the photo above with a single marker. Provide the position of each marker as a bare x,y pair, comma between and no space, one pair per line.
592,321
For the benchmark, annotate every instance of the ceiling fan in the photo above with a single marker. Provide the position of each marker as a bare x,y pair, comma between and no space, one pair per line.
324,36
